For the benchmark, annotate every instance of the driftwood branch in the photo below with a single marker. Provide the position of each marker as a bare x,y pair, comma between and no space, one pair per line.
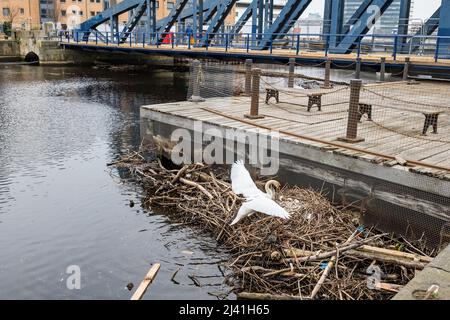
341,249
198,186
266,296
328,268
140,291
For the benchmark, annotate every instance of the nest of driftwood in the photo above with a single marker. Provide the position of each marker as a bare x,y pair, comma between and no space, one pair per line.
321,252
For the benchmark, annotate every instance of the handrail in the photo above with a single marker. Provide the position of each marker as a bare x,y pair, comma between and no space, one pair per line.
431,45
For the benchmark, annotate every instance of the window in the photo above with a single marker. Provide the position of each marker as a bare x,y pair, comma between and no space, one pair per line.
92,13
81,13
157,4
22,11
63,13
6,12
170,5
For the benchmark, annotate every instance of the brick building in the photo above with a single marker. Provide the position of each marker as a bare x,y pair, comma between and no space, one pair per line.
23,14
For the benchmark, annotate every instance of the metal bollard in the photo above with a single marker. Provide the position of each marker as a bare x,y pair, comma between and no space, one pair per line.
352,123
327,84
383,69
254,106
358,68
195,81
406,68
291,72
248,76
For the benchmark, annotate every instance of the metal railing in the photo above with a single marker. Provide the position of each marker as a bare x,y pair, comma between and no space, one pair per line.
424,45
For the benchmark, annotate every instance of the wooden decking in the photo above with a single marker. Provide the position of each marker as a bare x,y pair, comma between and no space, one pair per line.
396,129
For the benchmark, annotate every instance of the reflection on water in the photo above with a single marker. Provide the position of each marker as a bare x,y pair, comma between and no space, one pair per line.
60,206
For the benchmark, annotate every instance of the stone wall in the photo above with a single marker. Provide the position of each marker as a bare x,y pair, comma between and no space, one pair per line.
51,52
9,48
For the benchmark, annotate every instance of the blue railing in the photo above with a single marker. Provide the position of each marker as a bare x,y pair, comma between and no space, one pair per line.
437,47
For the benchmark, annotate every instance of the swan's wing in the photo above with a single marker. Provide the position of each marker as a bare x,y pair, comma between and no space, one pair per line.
241,182
244,211
267,206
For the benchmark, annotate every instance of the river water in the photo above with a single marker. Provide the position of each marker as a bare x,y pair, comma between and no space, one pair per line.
60,206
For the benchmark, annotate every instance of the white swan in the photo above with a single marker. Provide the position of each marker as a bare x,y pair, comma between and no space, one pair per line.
256,200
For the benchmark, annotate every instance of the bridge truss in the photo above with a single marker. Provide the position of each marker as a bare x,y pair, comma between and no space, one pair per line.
208,21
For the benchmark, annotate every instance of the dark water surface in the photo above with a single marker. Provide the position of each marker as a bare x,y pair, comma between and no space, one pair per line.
61,206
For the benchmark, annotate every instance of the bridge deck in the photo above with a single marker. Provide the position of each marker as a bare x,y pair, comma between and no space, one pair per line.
420,63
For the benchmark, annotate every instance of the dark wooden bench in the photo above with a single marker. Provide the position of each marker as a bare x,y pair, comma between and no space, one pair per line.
431,117
314,99
272,93
431,120
364,108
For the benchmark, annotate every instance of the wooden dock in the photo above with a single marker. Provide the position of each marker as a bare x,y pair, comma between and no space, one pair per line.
370,174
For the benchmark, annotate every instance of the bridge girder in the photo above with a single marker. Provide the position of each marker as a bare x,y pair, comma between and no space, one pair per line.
342,36
360,23
290,13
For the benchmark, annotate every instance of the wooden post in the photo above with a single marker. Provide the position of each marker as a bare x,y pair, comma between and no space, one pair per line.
406,68
358,68
140,291
254,106
291,72
383,69
326,83
352,123
195,82
248,76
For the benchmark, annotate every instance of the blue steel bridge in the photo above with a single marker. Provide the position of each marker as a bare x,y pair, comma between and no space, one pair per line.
270,38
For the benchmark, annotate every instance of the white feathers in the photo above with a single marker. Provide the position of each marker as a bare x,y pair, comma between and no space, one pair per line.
242,183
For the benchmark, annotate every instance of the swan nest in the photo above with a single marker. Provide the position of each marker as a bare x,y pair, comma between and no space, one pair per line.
321,252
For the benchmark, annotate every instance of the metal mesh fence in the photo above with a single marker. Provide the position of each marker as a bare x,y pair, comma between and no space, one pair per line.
391,139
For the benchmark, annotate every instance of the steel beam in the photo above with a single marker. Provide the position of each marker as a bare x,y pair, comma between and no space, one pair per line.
444,30
109,14
403,21
326,26
368,18
337,22
223,9
429,27
246,15
290,13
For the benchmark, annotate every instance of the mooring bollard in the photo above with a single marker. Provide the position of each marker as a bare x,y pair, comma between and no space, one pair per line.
358,68
327,83
383,69
406,68
291,72
352,123
195,82
254,106
248,76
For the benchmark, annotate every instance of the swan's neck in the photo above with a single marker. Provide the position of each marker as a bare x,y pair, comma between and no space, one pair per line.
270,191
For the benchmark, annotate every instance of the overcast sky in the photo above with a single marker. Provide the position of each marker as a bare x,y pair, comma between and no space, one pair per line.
422,8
